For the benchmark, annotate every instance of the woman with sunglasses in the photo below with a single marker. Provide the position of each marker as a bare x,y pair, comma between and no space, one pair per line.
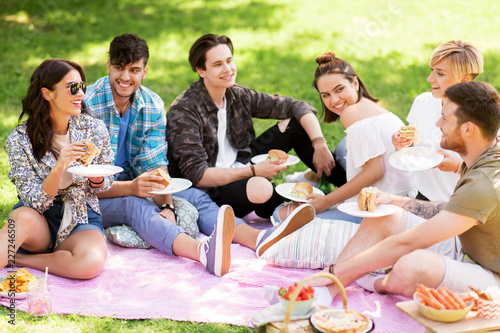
57,222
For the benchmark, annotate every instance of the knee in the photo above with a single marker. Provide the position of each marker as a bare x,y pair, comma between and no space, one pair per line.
409,270
259,190
92,263
283,124
27,218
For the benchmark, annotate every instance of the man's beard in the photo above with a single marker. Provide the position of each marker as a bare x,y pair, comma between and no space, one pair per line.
454,142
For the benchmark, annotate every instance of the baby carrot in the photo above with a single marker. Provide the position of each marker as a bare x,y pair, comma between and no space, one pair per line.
457,298
448,298
442,299
430,301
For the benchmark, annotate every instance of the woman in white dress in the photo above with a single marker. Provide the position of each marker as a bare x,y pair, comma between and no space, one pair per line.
369,128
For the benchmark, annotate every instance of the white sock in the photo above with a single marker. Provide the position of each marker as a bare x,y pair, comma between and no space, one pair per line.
259,237
368,281
203,254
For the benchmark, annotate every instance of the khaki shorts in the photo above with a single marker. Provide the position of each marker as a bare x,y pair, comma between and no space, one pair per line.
460,272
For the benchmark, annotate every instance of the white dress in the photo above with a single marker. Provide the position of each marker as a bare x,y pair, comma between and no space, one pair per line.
435,184
369,138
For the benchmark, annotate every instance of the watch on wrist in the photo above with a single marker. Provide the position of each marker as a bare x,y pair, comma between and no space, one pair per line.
169,207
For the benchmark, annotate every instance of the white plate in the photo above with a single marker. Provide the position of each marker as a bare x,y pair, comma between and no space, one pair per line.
95,170
336,313
285,190
291,159
176,185
415,158
352,208
16,295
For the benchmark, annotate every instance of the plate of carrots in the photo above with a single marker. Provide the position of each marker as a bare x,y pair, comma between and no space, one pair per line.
442,304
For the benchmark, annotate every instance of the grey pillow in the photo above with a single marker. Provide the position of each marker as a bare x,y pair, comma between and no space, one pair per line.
187,218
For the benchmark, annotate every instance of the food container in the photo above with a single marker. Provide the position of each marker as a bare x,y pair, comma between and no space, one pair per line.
489,309
299,308
447,316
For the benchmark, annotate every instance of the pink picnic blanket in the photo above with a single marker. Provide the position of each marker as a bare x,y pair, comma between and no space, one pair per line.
137,284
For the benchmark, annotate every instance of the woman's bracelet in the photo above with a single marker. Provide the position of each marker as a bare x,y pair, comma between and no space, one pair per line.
100,183
331,269
318,139
253,169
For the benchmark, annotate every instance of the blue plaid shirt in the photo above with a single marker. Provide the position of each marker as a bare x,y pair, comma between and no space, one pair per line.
146,143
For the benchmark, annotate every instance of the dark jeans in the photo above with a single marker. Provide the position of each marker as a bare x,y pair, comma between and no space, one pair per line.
295,138
235,195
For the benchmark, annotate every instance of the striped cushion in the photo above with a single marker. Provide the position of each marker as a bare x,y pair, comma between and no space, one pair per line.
316,245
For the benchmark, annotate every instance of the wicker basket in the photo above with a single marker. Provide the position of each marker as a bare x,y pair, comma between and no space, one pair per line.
303,325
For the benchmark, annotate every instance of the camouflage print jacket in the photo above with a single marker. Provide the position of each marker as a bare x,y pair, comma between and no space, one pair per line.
192,125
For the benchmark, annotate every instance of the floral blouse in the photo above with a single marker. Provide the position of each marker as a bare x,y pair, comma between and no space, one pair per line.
28,175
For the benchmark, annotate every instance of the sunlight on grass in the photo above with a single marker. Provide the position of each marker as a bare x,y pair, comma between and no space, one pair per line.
276,43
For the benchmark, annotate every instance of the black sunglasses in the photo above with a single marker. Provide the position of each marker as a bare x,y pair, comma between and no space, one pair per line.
75,86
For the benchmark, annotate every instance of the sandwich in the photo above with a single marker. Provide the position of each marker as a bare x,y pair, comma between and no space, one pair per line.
366,199
166,177
409,132
302,189
91,152
277,154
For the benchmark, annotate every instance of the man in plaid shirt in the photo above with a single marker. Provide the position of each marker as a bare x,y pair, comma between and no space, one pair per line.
135,118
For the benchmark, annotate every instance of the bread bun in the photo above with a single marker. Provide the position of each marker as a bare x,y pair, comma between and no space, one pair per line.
277,154
409,132
366,199
302,189
91,152
166,177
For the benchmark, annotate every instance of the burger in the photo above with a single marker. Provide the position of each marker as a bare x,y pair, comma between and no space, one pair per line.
166,177
302,189
409,132
91,152
277,154
366,199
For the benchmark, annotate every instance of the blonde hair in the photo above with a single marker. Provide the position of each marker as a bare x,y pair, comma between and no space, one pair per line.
465,58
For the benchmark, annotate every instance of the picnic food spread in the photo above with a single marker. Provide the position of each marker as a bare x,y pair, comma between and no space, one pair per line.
277,154
366,199
91,152
409,132
166,178
302,189
17,281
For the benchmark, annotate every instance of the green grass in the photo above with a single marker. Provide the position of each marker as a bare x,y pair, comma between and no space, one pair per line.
276,42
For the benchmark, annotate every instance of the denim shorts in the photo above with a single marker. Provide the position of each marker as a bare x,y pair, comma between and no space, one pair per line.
54,216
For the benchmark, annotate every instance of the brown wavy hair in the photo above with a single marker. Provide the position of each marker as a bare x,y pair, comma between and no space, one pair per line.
328,63
199,49
39,125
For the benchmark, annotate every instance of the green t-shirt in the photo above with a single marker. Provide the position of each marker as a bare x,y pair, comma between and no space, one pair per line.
477,195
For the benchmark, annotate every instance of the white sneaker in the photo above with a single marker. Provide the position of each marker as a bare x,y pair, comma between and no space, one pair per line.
300,177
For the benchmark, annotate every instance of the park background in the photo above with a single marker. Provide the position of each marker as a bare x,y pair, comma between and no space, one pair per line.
388,43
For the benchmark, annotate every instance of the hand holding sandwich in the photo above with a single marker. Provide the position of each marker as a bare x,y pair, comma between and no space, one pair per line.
399,142
145,183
